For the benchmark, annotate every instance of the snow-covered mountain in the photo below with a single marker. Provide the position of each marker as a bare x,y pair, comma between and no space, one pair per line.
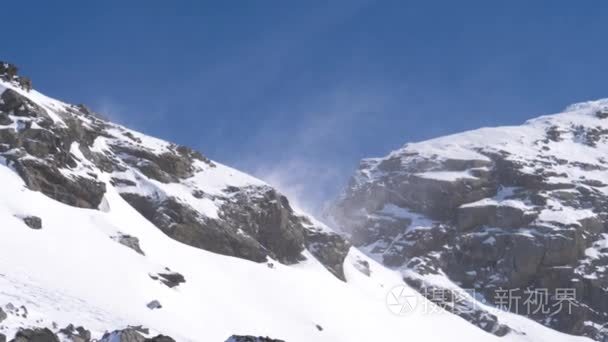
516,215
109,234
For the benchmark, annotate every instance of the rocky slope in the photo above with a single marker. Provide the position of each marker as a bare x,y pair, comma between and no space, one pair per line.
518,211
112,235
61,150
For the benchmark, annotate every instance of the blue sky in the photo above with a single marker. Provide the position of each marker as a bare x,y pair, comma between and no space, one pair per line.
298,92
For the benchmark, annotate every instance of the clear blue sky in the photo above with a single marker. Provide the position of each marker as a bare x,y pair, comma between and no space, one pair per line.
297,92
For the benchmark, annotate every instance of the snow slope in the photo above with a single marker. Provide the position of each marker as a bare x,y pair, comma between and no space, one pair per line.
73,271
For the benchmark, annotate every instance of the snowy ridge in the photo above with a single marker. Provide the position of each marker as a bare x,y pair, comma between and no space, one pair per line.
73,270
510,207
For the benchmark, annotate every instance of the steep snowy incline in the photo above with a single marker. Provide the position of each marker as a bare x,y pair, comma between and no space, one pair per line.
519,208
72,271
105,227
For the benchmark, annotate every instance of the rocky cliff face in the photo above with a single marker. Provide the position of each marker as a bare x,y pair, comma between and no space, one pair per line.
522,209
72,155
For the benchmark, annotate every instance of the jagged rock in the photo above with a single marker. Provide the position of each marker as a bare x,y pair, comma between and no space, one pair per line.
171,279
330,249
154,305
592,224
20,311
79,191
521,260
2,337
131,334
512,221
267,216
129,241
33,222
184,224
35,335
166,167
269,225
563,249
140,329
363,267
248,338
25,83
198,194
78,334
18,105
8,71
602,113
494,215
125,335
3,315
5,120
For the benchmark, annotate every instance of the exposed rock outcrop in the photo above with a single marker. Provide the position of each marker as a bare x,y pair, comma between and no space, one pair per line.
10,72
35,335
34,222
129,241
80,334
155,304
66,151
75,334
495,209
170,279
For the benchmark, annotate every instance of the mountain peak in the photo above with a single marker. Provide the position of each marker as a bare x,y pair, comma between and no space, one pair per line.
10,72
596,105
510,207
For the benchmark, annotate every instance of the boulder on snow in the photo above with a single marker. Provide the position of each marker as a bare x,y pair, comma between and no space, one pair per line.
363,267
602,113
131,334
33,222
35,335
125,335
170,279
330,249
129,241
76,334
155,304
